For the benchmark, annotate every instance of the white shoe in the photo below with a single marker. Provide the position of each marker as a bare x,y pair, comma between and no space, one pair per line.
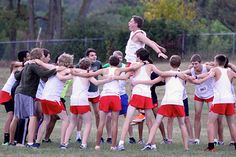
196,141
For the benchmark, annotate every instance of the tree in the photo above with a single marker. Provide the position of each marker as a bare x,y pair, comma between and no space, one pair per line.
31,19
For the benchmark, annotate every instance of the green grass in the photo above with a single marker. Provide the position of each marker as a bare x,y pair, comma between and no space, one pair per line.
175,149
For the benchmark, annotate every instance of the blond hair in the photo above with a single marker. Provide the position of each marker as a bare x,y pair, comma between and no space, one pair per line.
66,60
36,53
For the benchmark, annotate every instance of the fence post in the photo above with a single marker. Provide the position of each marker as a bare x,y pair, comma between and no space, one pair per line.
233,51
85,43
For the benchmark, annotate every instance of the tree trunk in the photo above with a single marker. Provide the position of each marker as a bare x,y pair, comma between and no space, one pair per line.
50,19
84,9
31,19
58,19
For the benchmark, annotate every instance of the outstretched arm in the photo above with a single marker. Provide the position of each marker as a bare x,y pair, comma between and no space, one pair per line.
141,37
84,73
232,66
147,82
100,82
196,80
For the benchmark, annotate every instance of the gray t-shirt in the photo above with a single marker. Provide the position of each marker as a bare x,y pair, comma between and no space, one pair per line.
94,67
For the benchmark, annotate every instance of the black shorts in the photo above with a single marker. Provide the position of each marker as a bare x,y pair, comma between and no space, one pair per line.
186,109
9,106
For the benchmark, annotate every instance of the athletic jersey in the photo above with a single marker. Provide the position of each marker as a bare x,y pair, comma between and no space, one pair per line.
142,89
40,89
223,89
132,47
122,83
53,88
111,88
79,95
94,90
205,89
174,90
10,82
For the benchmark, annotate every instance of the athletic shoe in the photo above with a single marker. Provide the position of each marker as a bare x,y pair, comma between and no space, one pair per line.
83,146
63,146
5,144
132,140
231,143
133,123
47,140
97,147
113,148
215,141
79,140
12,144
191,142
147,147
109,140
196,141
102,140
139,118
220,143
210,150
121,147
166,141
34,146
141,142
154,147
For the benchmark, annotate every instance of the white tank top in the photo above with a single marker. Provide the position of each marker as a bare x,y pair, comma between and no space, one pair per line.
174,90
79,95
142,89
132,47
53,89
111,88
223,89
10,82
205,89
40,89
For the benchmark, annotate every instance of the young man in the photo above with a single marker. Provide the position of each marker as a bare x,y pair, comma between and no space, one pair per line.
223,102
94,94
138,39
203,93
25,94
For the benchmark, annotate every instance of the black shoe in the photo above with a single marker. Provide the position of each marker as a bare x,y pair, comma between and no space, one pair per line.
79,140
132,140
63,146
109,140
102,140
47,140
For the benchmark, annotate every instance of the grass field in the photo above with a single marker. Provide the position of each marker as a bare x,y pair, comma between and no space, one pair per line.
175,149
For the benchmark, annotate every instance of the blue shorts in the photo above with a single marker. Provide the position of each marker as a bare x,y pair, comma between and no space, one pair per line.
124,103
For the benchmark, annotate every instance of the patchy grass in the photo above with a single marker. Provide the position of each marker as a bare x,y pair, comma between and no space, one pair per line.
175,149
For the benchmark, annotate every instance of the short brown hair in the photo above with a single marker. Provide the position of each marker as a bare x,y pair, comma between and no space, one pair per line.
114,60
84,63
65,60
119,53
175,61
221,59
139,20
196,58
36,53
89,50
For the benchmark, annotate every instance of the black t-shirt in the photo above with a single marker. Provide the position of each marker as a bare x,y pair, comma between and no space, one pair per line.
153,92
94,67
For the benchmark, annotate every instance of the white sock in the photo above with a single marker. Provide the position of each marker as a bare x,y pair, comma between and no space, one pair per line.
121,142
78,135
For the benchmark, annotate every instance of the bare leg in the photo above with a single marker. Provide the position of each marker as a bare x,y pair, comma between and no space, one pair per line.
232,128
31,128
50,126
96,113
79,127
212,117
108,125
42,128
161,127
8,122
197,118
170,128
63,116
100,127
114,129
189,127
87,119
13,126
72,125
183,132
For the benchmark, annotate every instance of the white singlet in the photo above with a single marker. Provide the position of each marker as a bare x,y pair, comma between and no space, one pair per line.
10,82
205,89
132,47
111,88
40,89
174,90
142,89
53,89
79,95
223,89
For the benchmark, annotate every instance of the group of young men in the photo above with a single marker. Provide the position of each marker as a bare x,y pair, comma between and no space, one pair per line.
44,83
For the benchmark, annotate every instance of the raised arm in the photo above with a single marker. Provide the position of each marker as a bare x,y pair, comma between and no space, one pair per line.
147,82
100,82
45,65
